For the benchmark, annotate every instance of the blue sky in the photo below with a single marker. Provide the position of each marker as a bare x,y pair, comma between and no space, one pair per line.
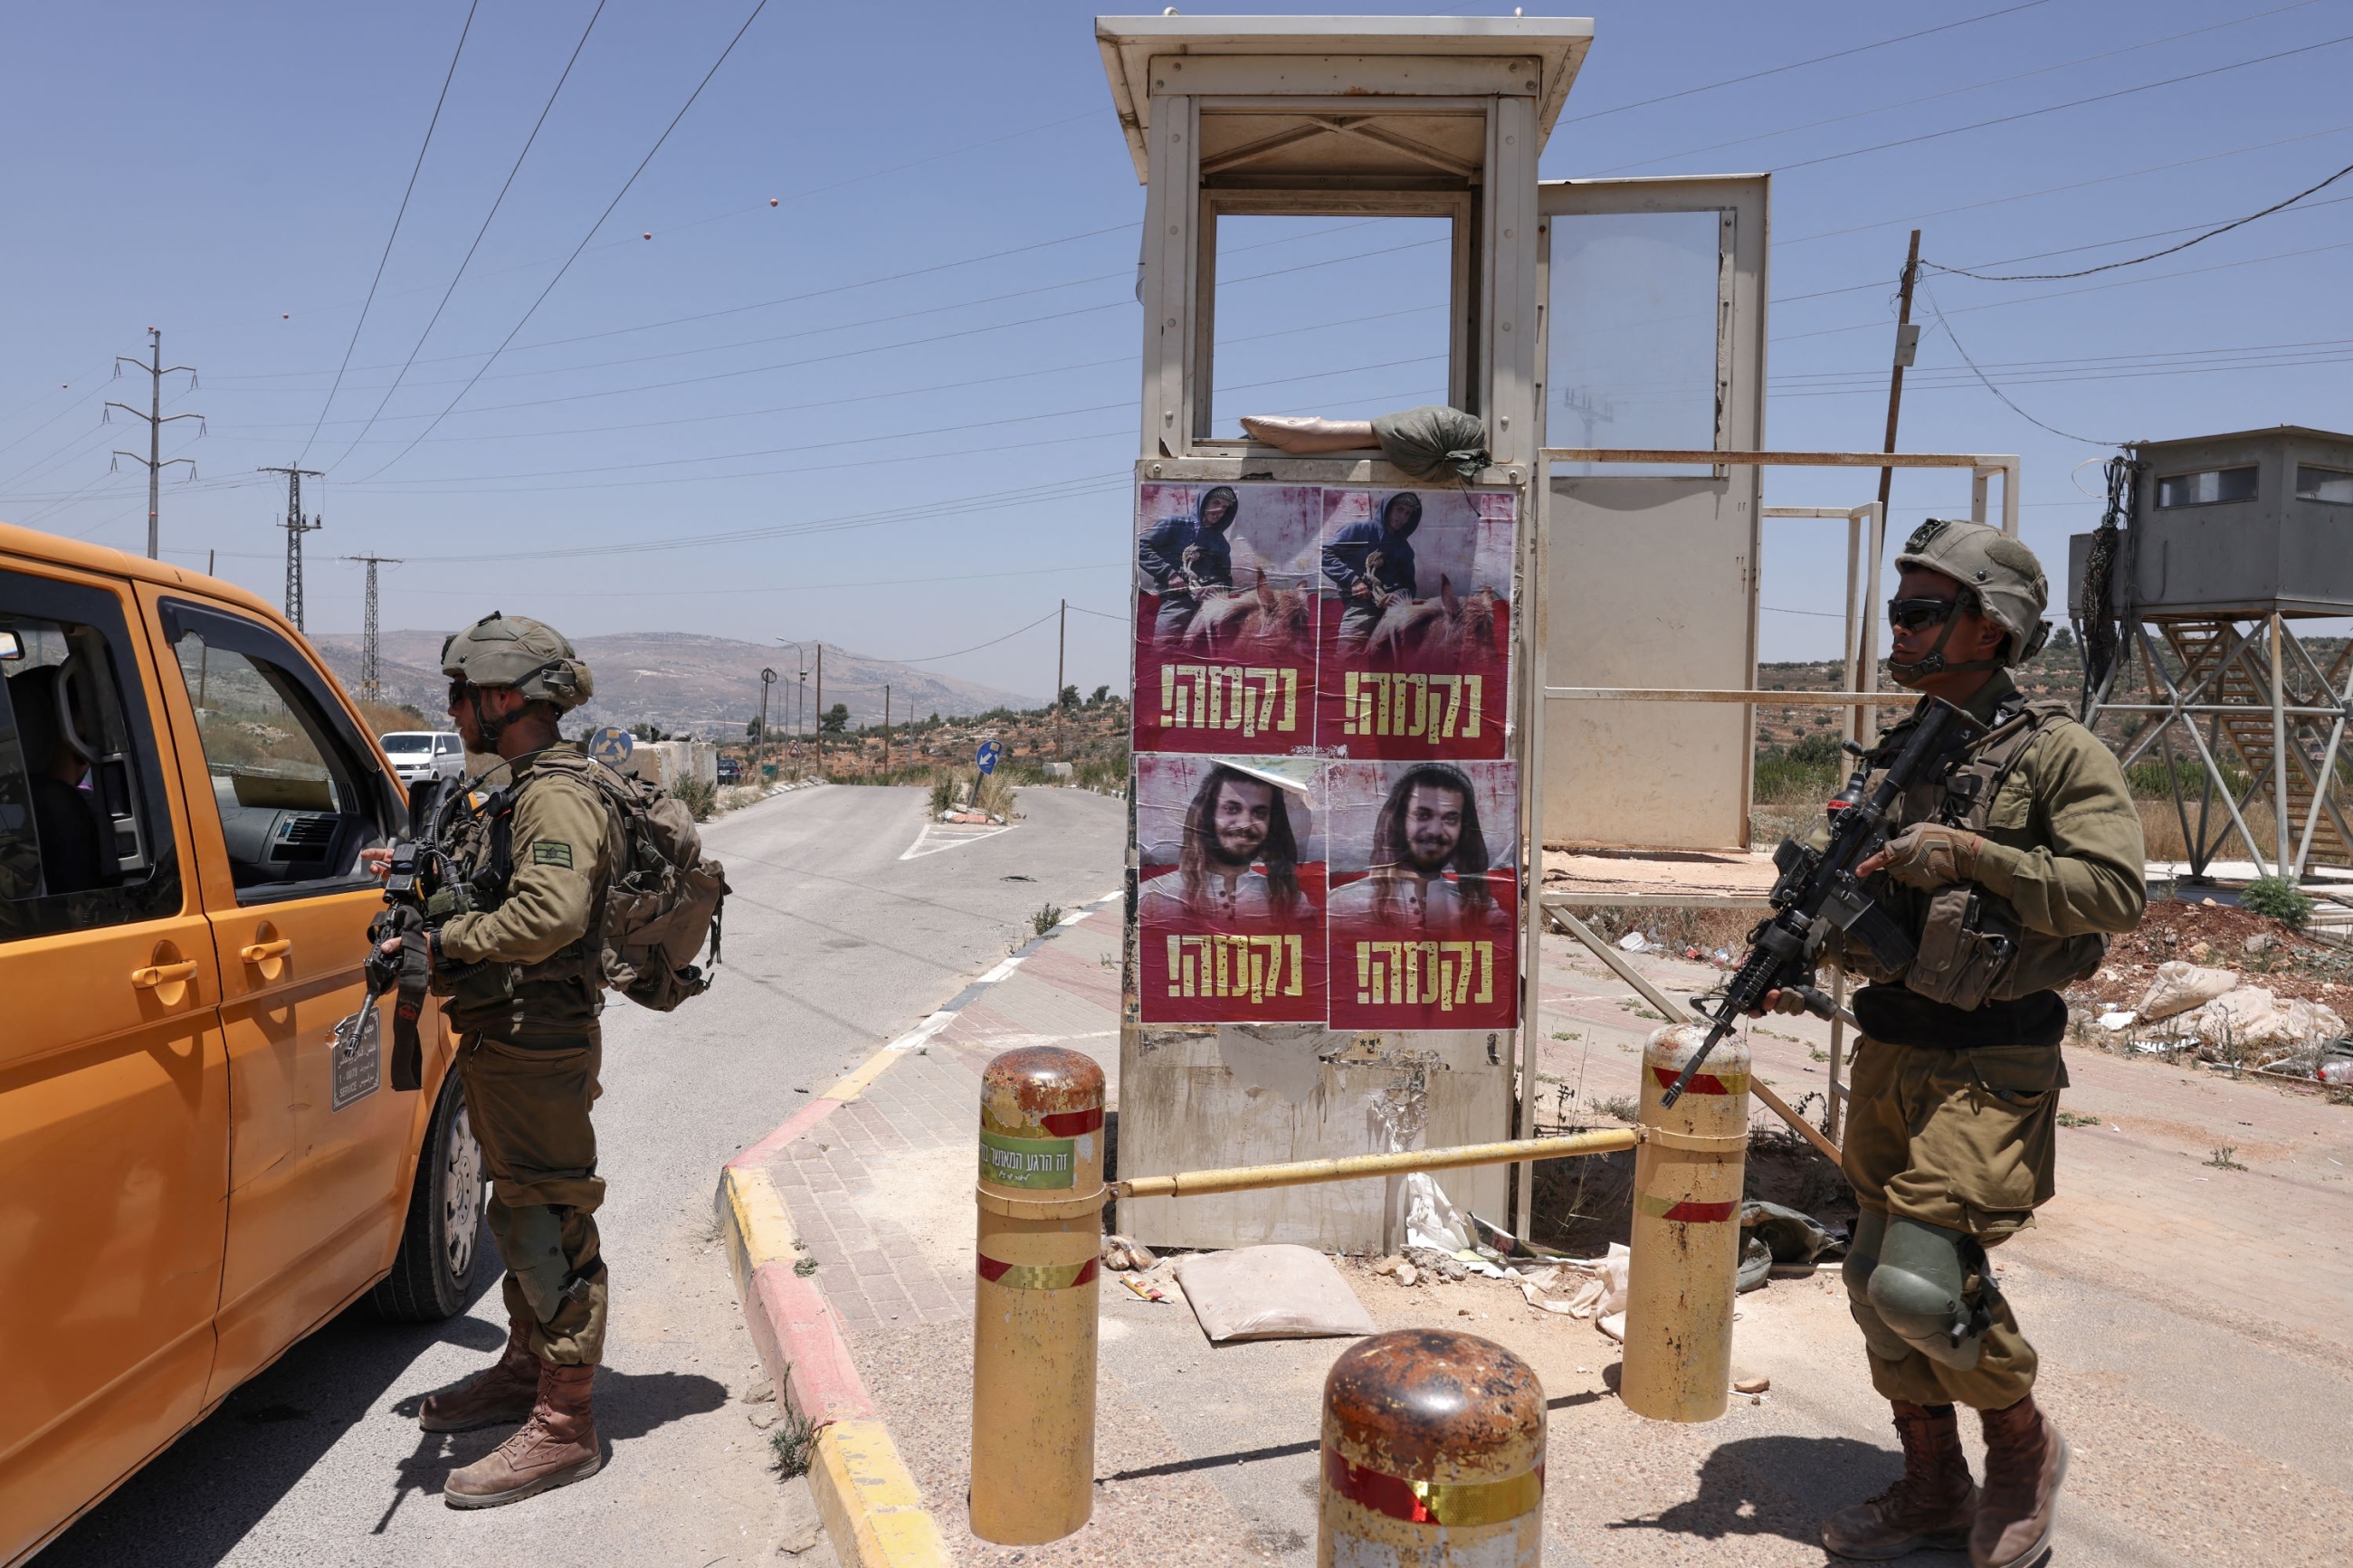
906,388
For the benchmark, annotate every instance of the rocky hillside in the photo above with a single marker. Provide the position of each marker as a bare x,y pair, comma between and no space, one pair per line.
689,684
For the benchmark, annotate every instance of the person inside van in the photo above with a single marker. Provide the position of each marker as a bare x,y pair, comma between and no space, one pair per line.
65,820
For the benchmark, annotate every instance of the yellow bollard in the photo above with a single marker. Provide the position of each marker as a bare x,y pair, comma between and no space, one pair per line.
1686,1243
1033,1354
1433,1454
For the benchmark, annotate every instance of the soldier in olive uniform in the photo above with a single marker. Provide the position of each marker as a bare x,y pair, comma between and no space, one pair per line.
2010,873
522,981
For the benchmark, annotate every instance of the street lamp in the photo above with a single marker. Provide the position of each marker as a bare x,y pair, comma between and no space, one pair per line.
760,752
801,655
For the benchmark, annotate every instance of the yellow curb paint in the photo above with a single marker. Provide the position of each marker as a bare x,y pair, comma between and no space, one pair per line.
872,1512
863,1077
759,1228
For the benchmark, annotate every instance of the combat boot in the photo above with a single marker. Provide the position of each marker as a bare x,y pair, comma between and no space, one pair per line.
556,1447
502,1393
2026,1461
1930,1505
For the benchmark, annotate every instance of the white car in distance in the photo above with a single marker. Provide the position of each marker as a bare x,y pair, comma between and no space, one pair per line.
420,754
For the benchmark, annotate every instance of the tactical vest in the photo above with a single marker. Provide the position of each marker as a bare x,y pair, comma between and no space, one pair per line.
1973,948
561,993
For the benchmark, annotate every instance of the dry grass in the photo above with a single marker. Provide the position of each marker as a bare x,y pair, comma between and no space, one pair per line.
2161,826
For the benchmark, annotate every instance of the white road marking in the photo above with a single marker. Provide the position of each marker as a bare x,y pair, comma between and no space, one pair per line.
924,845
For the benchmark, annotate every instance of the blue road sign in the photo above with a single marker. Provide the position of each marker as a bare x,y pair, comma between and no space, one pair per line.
611,746
987,754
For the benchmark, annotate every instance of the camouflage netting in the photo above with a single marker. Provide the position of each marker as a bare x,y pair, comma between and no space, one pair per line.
1428,441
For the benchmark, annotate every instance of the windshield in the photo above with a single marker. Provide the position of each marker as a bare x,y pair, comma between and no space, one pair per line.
396,744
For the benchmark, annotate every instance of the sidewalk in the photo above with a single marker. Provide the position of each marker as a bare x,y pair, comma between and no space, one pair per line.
2203,1426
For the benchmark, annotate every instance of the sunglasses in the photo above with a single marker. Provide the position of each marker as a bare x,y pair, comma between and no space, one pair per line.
1912,615
459,688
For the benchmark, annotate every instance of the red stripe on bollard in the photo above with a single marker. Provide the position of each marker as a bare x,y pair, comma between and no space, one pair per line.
1071,1123
1705,1082
1427,1502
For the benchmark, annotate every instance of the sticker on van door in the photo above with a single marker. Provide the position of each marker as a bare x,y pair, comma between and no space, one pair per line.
358,1058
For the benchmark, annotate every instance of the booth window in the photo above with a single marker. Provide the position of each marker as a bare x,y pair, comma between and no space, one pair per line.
1345,316
1634,355
297,801
2206,487
2333,486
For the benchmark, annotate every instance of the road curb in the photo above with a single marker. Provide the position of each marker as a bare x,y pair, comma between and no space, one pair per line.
873,1513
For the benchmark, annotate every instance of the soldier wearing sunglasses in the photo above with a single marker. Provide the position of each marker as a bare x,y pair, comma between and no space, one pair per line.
2011,874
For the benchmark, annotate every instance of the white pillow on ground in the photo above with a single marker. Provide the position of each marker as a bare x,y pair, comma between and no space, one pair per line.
1280,1291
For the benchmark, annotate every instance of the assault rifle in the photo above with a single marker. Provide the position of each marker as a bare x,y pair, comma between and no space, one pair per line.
418,869
1818,887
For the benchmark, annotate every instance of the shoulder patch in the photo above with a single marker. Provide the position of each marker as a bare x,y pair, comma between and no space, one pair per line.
548,852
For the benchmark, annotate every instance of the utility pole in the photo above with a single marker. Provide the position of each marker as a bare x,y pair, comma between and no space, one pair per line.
371,663
760,751
156,371
297,525
1062,642
1908,348
820,708
886,726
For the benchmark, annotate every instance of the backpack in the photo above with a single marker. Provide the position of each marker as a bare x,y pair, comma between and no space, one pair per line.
665,895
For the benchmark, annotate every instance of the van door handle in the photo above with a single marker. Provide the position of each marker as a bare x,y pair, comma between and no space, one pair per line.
160,974
263,952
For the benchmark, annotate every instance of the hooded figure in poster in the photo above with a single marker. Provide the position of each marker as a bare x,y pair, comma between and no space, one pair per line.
1233,823
1371,564
1428,826
1189,559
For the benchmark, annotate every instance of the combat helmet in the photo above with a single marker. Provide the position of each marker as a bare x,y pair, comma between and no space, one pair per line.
513,650
2000,573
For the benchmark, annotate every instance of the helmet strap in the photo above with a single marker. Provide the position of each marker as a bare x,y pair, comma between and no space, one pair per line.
1934,662
489,729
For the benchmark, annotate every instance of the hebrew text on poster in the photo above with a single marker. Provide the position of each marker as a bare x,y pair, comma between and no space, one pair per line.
1425,894
1225,617
1230,898
1414,617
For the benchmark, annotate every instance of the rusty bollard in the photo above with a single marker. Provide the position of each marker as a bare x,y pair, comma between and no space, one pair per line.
1033,1355
1686,1241
1433,1454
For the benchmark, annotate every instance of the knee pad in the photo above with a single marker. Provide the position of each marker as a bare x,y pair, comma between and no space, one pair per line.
533,1250
1920,1291
1862,1263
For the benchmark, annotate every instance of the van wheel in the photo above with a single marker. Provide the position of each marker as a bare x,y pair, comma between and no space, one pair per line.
435,1268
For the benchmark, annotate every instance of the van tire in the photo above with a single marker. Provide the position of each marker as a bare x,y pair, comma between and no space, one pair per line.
432,1278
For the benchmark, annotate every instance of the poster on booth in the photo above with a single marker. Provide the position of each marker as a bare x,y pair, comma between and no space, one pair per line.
1424,908
1231,889
1225,617
1414,623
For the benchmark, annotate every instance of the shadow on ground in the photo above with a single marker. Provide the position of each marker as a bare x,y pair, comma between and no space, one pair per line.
192,1504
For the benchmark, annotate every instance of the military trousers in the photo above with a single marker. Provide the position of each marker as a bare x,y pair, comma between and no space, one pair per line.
528,1108
1961,1140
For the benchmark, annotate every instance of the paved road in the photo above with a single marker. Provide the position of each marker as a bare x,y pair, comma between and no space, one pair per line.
834,944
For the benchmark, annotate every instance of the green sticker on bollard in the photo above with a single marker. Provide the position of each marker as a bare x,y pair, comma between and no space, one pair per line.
1027,1161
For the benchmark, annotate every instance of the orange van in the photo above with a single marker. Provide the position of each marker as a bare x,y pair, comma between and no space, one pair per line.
202,1154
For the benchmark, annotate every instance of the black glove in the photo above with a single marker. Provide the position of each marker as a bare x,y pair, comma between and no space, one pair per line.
408,970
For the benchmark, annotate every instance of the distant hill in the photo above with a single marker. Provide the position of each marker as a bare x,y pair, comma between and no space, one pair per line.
697,685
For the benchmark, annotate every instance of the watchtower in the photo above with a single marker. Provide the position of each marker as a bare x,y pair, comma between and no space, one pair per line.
2214,547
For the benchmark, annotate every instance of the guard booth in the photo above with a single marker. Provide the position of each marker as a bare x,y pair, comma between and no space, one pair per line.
2187,598
1630,309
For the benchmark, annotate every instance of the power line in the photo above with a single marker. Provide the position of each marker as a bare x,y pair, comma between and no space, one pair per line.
417,169
2152,256
496,203
2006,400
1801,65
992,642
2071,103
2072,186
1914,102
757,7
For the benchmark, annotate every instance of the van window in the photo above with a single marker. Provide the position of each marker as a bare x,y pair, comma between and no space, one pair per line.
448,745
297,802
85,834
412,742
